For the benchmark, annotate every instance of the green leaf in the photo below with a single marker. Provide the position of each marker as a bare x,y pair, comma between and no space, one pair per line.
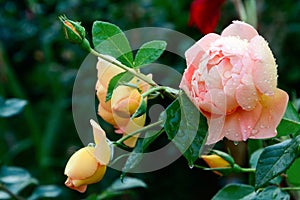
127,183
186,127
275,159
254,158
109,39
235,192
272,193
293,175
149,52
15,180
45,191
11,107
290,122
137,154
119,187
115,81
141,109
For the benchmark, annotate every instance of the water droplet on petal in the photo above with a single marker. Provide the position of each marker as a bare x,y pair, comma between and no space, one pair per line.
235,143
254,131
191,166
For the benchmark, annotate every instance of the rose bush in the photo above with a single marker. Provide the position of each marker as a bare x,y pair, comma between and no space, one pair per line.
124,102
232,79
88,165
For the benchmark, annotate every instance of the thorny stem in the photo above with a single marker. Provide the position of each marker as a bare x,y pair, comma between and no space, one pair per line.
121,140
130,70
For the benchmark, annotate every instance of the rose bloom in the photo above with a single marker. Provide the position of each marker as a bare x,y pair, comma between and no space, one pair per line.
201,11
88,165
231,78
124,102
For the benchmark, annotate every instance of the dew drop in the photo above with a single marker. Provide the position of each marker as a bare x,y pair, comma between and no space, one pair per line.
235,143
254,131
191,166
262,126
248,126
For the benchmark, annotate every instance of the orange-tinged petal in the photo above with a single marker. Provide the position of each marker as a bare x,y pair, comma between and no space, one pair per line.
106,71
106,115
273,108
215,161
82,164
96,177
241,29
125,100
69,183
264,66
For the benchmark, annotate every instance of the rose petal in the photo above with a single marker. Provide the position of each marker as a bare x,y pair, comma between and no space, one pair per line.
69,183
215,127
102,150
246,94
241,29
195,53
106,70
264,67
273,108
238,125
82,164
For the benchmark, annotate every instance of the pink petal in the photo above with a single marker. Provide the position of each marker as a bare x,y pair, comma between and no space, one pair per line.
246,94
195,53
215,127
238,125
273,108
264,67
241,29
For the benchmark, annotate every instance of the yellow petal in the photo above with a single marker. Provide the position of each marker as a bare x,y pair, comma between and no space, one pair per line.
215,161
96,177
102,150
106,71
82,164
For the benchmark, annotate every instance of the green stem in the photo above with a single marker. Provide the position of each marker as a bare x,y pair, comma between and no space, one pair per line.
157,88
121,140
130,70
247,170
14,196
119,158
290,188
239,6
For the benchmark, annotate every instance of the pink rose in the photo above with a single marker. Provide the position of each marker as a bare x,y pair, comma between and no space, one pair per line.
231,78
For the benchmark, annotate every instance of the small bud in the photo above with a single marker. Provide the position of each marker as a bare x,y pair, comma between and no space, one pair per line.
215,161
74,32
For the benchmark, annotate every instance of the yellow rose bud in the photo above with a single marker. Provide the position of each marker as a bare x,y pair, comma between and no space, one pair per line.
83,169
88,165
215,161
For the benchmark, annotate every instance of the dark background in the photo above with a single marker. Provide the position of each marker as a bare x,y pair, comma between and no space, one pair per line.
39,65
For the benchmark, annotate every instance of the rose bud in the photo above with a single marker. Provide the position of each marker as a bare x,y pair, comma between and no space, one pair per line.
88,165
216,161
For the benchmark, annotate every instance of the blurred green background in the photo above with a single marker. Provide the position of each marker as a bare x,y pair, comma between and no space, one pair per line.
39,65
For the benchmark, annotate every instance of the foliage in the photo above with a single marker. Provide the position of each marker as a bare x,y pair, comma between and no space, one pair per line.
38,68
